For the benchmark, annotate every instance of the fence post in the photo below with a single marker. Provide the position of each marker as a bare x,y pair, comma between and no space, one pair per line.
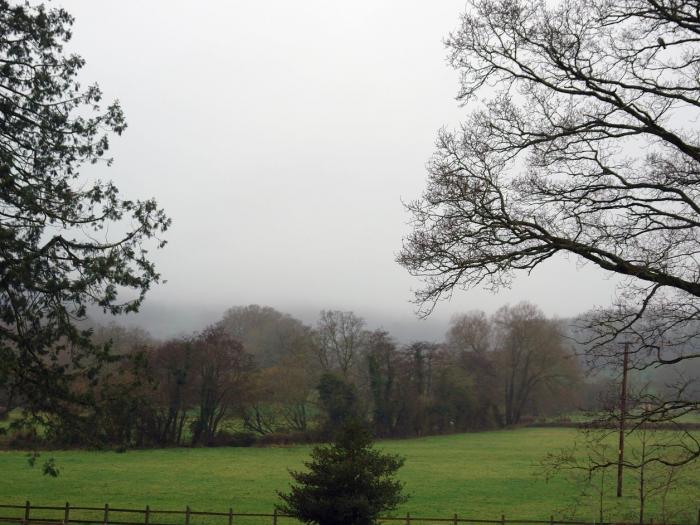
698,516
105,519
66,513
274,517
551,520
187,515
408,518
455,519
147,515
503,519
27,507
230,516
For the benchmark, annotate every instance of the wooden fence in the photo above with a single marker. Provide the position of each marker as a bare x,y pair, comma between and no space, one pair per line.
28,514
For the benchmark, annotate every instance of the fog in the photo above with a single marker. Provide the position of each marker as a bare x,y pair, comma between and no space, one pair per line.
282,138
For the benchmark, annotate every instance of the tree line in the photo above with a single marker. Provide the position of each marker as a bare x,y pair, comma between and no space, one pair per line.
260,374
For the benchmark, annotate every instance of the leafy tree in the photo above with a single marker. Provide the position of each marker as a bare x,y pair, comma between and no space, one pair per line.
66,242
582,140
284,352
382,358
339,401
269,335
414,387
453,406
347,482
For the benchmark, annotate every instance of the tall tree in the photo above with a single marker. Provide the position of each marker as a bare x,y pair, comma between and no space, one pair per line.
66,242
173,368
469,332
582,140
222,375
284,352
339,401
382,358
269,335
470,338
532,359
340,338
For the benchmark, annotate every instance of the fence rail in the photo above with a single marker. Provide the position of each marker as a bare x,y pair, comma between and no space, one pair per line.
24,517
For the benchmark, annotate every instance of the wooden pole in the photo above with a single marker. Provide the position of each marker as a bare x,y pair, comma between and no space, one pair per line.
230,516
187,515
503,519
105,518
408,518
66,513
455,519
27,508
274,518
623,412
147,515
600,499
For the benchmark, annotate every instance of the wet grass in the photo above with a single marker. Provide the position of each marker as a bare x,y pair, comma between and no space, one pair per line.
482,475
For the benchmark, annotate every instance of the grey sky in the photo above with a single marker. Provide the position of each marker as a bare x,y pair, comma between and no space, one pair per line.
281,137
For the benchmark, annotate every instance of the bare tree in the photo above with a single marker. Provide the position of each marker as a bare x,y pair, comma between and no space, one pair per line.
657,454
532,359
471,339
469,332
583,141
222,373
340,337
173,368
593,457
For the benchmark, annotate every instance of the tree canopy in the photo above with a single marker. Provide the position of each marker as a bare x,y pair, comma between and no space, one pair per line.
586,145
582,139
66,241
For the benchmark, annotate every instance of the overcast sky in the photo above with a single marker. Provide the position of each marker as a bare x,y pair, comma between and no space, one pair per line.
282,137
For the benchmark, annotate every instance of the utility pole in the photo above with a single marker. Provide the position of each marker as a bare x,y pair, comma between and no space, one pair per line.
623,412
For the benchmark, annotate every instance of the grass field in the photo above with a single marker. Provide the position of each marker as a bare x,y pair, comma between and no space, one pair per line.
478,475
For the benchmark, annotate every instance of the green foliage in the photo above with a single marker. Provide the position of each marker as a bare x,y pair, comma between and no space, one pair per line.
347,483
453,406
338,399
58,250
383,370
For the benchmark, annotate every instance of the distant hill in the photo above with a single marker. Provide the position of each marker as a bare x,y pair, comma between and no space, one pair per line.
164,320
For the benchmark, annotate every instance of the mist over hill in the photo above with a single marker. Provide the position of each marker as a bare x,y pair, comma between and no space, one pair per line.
164,320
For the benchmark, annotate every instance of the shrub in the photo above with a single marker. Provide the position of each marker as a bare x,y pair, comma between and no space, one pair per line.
232,439
291,438
347,483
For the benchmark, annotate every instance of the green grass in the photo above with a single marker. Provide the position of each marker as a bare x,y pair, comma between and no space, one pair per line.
479,475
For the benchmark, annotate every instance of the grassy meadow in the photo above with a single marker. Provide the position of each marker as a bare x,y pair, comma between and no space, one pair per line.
481,475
